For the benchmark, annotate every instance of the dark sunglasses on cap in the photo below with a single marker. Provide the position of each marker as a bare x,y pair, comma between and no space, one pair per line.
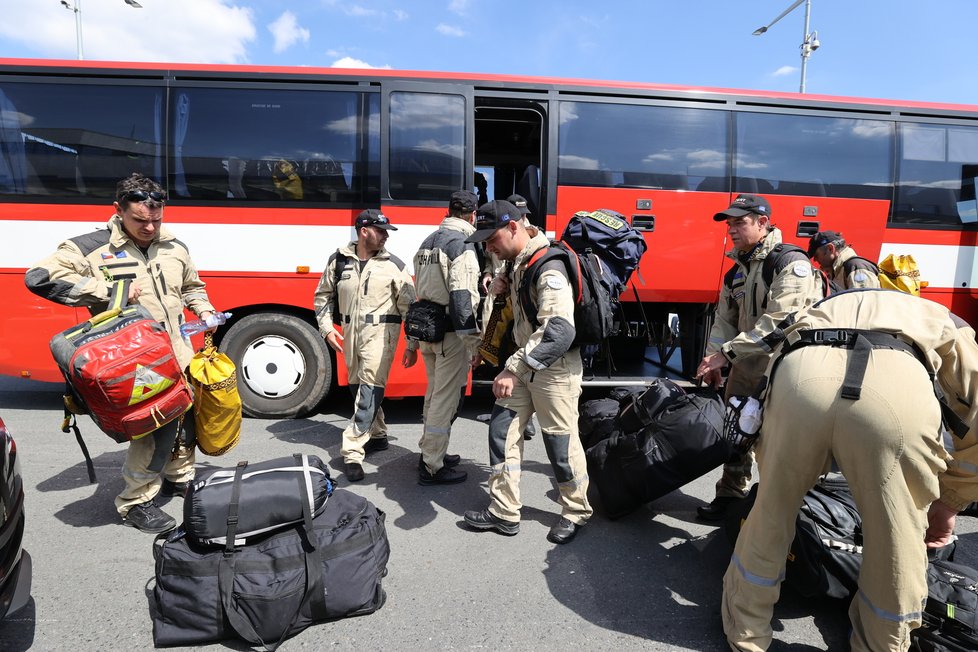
142,195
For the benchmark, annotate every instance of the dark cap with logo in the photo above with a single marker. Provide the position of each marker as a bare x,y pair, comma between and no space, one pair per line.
373,217
821,239
743,205
491,217
520,203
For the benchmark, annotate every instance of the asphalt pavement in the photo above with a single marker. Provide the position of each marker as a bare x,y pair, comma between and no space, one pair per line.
648,581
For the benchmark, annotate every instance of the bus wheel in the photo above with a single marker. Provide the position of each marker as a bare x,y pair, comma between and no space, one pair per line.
284,368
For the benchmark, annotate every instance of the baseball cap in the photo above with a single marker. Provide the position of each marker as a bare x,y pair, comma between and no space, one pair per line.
463,201
520,203
821,239
373,217
743,205
491,217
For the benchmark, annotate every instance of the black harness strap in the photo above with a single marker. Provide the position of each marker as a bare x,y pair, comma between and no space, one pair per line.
861,342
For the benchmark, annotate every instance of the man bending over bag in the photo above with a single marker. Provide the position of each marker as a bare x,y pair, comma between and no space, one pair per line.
849,382
135,247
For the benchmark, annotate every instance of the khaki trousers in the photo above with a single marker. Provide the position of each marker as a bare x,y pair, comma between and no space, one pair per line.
369,352
142,481
553,394
446,364
887,444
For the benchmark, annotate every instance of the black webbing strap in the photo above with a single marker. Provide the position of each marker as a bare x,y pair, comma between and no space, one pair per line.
232,522
861,342
71,423
315,584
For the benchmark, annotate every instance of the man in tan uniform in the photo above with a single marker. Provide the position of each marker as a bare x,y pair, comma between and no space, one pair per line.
447,272
850,383
136,247
746,314
370,290
543,376
840,262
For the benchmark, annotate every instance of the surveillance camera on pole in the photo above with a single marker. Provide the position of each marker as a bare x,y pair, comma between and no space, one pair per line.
809,42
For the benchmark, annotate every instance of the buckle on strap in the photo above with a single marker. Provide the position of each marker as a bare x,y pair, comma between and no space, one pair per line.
830,336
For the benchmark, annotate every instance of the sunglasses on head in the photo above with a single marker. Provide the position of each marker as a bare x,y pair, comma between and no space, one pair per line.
142,195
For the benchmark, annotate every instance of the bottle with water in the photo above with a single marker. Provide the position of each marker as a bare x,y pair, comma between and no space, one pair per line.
201,325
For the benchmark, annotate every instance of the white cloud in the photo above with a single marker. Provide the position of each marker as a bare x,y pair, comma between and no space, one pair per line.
287,32
784,70
200,31
400,14
449,30
350,62
459,7
360,12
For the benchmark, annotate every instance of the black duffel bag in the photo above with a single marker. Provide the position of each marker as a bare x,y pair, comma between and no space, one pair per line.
270,497
678,439
951,613
321,569
426,321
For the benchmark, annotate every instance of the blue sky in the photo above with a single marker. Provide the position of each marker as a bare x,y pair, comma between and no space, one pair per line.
898,49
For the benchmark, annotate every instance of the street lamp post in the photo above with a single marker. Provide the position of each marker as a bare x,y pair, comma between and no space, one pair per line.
809,41
76,9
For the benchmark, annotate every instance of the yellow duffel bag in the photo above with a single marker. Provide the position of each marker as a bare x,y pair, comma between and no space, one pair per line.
217,406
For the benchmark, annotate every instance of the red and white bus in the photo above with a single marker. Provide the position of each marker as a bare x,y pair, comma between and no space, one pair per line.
893,177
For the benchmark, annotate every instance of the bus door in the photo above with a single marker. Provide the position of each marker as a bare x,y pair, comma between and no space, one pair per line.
510,142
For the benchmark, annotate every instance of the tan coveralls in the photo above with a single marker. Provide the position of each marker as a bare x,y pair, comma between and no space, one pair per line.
372,298
550,375
447,272
747,313
80,273
888,445
861,275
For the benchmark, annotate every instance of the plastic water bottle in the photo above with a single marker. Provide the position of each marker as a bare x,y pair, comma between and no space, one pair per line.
201,325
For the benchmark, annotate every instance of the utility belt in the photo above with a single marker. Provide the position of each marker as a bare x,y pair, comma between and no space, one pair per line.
373,319
861,343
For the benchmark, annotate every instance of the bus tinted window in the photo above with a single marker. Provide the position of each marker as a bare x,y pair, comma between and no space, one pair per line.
936,175
77,140
643,146
427,157
813,155
269,145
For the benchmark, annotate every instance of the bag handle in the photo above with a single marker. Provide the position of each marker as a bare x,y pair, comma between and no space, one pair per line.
118,299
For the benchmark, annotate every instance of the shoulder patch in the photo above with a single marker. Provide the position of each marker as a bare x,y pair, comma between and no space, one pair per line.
801,269
556,282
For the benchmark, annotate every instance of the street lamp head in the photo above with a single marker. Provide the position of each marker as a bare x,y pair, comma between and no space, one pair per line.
759,31
65,4
133,4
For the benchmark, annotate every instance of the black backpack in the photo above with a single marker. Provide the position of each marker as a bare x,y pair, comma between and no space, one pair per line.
616,243
594,308
781,256
826,553
426,321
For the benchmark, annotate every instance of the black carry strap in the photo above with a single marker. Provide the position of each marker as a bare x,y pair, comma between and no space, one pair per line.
315,588
71,423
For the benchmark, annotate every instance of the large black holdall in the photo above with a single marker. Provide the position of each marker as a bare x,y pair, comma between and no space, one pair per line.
321,569
826,553
270,496
676,437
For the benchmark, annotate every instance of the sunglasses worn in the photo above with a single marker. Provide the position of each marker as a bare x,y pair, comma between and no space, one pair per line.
142,195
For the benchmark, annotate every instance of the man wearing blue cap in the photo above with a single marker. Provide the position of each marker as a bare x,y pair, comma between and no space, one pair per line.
840,262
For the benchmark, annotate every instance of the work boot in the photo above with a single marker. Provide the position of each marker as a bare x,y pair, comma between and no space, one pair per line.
354,472
486,520
445,475
563,531
448,460
148,517
171,488
375,445
717,509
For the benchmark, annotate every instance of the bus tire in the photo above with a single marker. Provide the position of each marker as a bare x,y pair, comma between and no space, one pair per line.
284,368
